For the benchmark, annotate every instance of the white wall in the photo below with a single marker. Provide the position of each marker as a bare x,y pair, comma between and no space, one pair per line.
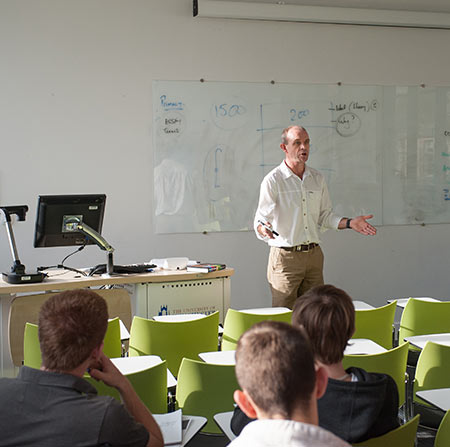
76,117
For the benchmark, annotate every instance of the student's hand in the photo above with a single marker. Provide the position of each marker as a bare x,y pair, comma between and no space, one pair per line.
108,373
361,225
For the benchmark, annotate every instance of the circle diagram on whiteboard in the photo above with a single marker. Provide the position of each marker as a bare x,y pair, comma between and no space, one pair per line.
348,124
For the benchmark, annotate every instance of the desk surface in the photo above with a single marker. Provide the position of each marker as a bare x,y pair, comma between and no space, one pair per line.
130,365
419,341
402,302
362,305
439,398
223,420
66,279
266,310
357,346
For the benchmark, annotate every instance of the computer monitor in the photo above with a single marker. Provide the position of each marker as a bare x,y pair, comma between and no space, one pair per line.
56,215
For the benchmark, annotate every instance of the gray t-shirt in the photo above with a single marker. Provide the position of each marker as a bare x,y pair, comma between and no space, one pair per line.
40,408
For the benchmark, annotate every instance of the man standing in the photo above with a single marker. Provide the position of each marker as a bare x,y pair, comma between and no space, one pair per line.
294,205
54,406
280,387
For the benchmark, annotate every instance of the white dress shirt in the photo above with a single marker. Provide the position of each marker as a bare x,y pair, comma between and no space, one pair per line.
297,209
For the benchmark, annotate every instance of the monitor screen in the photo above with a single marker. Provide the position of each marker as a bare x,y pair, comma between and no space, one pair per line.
55,216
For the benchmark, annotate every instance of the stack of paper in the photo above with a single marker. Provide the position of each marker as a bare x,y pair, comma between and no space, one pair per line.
170,425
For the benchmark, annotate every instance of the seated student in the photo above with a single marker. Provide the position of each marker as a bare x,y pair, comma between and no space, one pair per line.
357,405
54,406
280,386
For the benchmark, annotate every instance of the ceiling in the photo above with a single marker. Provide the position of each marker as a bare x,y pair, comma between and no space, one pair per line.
402,5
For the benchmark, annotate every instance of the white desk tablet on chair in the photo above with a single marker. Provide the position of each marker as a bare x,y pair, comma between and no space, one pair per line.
402,302
355,346
266,310
178,318
361,346
223,420
219,357
439,398
362,305
129,365
419,341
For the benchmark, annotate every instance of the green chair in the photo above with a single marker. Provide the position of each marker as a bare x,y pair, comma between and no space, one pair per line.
443,433
424,317
112,345
204,389
392,362
238,321
174,340
376,324
433,368
403,436
31,348
432,372
150,384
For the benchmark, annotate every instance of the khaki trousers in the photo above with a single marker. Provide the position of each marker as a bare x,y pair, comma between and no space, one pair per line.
292,273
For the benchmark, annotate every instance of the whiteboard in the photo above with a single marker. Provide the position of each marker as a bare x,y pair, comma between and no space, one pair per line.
382,149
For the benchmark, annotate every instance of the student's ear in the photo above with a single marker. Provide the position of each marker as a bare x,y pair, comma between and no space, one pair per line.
245,403
97,352
283,147
321,381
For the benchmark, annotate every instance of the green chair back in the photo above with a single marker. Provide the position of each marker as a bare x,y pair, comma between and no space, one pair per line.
433,368
424,317
443,433
237,322
150,385
204,389
376,324
174,340
112,345
403,436
31,348
392,362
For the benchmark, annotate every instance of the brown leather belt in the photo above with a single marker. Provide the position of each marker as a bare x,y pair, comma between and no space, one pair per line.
303,247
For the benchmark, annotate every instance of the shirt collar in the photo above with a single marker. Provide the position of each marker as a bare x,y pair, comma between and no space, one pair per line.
286,171
48,378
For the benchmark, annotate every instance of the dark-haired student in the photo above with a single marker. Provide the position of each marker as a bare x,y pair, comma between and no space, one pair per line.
280,387
55,406
357,405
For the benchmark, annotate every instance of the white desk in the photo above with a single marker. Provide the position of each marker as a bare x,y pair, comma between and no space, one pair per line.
439,398
362,305
183,317
223,420
163,291
419,341
356,346
402,302
195,425
266,310
178,318
219,357
130,365
360,346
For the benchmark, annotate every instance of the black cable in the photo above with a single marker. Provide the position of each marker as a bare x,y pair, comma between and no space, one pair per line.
62,266
76,251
